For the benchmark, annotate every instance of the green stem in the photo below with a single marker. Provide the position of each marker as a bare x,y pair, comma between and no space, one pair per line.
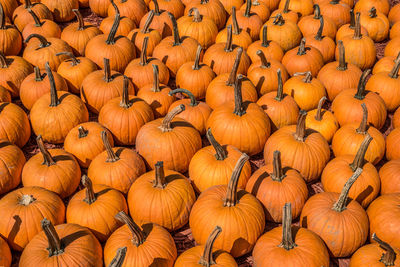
35,17
193,101
43,41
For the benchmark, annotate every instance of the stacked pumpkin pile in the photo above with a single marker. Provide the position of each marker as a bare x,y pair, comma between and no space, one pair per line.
160,78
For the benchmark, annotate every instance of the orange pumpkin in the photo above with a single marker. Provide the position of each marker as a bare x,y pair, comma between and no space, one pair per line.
22,18
133,9
385,64
271,49
348,29
213,9
365,5
322,121
99,7
44,27
126,25
272,4
229,4
392,145
302,7
394,14
337,11
161,21
61,9
13,160
376,23
389,175
175,7
309,25
10,38
260,8
14,124
286,13
6,256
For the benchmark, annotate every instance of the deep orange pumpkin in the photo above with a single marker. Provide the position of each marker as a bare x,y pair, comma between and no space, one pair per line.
390,178
14,124
12,161
271,49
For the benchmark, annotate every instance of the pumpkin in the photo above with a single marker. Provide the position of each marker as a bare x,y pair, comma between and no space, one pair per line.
367,186
285,32
280,108
242,124
21,17
99,7
396,119
386,85
13,160
61,9
116,167
146,244
137,36
10,38
394,31
305,90
78,34
9,7
303,7
171,140
384,217
132,9
206,255
229,4
342,223
161,21
322,121
164,197
339,75
271,49
6,256
98,204
45,27
260,8
287,245
380,253
198,27
392,47
274,186
348,29
65,244
271,4
347,105
100,86
220,161
213,9
337,11
389,177
119,50
301,149
44,50
156,95
132,111
302,59
14,124
286,13
36,85
54,114
376,23
126,25
394,14
392,145
350,3
221,90
360,49
84,142
140,71
195,76
222,205
263,74
74,70
196,112
349,137
175,7
365,5
310,25
24,208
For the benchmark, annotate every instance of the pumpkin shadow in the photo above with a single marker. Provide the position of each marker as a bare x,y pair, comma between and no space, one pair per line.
303,222
66,240
181,124
62,158
15,228
3,105
102,192
119,151
240,246
260,84
364,194
159,262
4,144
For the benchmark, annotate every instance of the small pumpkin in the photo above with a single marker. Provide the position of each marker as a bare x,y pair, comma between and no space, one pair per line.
302,7
21,16
392,145
14,124
271,49
322,121
45,27
385,64
394,14
376,23
366,5
10,38
61,9
336,10
160,22
132,9
175,7
13,160
126,25
272,4
389,176
212,8
392,47
260,8
309,25
99,7
348,29
229,4
286,13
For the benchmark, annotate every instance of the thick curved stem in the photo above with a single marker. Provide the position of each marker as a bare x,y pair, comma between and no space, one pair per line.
28,4
193,101
286,7
277,174
207,257
125,103
239,109
287,236
81,22
265,42
48,160
166,123
111,36
177,38
107,70
248,9
74,60
149,19
302,47
318,36
43,41
90,196
138,236
54,101
388,258
341,204
119,258
235,24
55,245
301,126
361,85
228,44
220,153
196,65
231,194
359,160
307,76
232,76
156,79
143,54
362,129
394,73
352,20
317,12
111,156
159,177
35,17
156,8
38,75
318,115
82,132
279,92
342,58
264,62
357,29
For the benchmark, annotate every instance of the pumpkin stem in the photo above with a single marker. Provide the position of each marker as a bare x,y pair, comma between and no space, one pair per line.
81,23
43,41
265,42
394,73
55,245
317,12
89,193
166,123
235,24
248,9
389,256
143,54
318,36
307,76
48,160
137,234
107,70
125,103
28,4
352,20
334,2
177,38
193,101
286,7
239,110
357,30
35,17
362,129
264,62
287,236
372,12
342,59
196,17
318,115
228,44
207,257
82,132
159,178
3,61
111,36
54,101
359,160
220,153
361,85
302,47
2,18
341,204
26,200
156,80
74,60
119,258
279,20
196,65
232,76
279,92
156,8
277,173
149,19
38,75
301,126
111,156
231,193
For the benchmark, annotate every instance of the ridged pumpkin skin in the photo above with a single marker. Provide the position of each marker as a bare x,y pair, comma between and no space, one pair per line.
394,14
336,10
373,255
81,248
384,218
390,178
376,23
310,24
137,36
213,9
393,145
61,9
271,49
384,64
10,37
24,208
160,23
248,20
14,124
47,28
99,7
380,5
126,25
12,160
240,37
13,71
5,252
133,9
